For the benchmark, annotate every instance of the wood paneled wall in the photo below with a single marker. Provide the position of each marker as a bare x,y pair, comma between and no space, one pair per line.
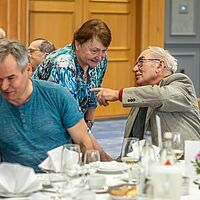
13,19
135,24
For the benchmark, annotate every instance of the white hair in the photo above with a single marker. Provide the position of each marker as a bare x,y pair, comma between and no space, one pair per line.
2,33
170,61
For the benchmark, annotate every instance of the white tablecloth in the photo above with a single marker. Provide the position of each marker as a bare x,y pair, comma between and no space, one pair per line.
113,179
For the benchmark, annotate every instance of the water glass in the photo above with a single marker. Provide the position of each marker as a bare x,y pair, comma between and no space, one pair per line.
71,159
177,144
91,161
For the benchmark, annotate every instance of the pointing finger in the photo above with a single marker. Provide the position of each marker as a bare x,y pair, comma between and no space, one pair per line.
95,89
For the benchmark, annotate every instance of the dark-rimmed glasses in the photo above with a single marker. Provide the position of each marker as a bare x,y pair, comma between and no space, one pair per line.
141,61
31,51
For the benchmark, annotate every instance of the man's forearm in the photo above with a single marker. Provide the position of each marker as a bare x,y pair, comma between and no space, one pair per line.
103,154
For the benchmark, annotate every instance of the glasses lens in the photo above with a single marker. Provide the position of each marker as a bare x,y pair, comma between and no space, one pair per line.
30,51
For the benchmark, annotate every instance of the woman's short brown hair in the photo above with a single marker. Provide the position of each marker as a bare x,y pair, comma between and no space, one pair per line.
90,29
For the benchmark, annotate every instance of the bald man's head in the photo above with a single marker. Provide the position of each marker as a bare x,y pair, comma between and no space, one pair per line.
2,33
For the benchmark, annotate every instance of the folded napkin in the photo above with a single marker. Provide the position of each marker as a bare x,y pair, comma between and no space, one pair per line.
15,178
156,149
58,158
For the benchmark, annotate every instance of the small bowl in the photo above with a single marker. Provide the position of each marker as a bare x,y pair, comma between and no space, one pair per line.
123,191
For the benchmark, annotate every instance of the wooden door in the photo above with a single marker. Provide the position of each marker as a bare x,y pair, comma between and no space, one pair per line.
54,20
120,17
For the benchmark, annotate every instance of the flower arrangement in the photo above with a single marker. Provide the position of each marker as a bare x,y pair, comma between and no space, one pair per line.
196,163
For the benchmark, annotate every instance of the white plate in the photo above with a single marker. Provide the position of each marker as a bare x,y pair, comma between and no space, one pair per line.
13,195
100,190
112,167
122,197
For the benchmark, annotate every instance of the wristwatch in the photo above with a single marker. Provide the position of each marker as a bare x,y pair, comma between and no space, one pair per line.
89,123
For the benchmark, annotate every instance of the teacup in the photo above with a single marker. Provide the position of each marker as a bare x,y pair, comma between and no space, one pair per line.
96,181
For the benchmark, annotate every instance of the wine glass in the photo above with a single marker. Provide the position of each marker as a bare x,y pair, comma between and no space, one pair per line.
177,144
92,160
91,163
57,181
71,161
130,154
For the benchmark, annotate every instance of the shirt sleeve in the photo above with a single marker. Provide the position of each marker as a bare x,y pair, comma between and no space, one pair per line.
70,111
175,96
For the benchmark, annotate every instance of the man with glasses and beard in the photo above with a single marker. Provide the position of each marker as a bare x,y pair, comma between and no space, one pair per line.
160,92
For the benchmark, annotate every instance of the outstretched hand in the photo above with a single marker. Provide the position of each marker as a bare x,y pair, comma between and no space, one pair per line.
104,95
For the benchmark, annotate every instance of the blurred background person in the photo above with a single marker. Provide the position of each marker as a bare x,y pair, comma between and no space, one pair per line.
81,65
38,49
2,33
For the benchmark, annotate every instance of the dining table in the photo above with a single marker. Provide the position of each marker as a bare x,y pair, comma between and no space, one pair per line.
113,177
88,184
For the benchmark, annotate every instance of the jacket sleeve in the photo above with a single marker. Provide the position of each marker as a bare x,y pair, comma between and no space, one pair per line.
173,94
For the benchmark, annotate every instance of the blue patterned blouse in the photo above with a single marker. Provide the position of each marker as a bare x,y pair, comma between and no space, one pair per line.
61,67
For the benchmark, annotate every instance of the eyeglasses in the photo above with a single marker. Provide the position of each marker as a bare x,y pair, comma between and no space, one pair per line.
141,61
97,51
31,51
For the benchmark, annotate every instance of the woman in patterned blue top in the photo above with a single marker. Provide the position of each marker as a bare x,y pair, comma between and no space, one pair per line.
81,65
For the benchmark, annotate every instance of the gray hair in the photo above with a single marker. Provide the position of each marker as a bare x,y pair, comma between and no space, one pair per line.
45,46
16,49
170,61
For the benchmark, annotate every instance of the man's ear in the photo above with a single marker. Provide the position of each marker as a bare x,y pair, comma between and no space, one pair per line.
45,55
160,67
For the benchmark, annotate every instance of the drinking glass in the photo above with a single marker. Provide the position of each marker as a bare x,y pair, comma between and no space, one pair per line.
57,181
130,154
92,160
71,161
69,166
91,164
177,144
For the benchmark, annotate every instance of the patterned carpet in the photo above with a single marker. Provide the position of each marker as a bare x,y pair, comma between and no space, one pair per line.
109,133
